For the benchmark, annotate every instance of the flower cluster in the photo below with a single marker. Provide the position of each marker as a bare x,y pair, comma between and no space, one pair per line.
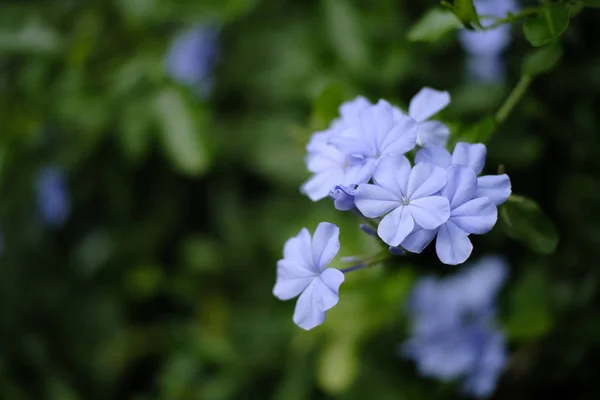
362,162
453,324
52,196
484,48
191,57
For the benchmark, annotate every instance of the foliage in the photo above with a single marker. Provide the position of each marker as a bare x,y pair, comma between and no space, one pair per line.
159,283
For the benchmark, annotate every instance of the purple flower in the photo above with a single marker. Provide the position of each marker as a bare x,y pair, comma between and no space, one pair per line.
191,57
343,197
406,196
303,272
52,196
453,326
423,106
484,48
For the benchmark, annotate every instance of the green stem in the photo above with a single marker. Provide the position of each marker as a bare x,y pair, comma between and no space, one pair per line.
368,262
513,98
515,17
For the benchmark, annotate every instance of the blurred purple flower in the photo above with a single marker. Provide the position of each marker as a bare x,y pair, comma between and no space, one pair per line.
52,196
453,324
484,48
191,57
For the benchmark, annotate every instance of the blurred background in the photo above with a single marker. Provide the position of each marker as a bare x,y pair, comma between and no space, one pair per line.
151,153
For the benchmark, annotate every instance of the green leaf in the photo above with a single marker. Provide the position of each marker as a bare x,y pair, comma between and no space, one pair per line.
435,24
34,37
183,141
591,3
530,315
347,39
524,221
326,104
546,26
466,13
542,60
338,365
480,132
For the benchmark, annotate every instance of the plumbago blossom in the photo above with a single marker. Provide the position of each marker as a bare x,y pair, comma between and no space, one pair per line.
484,48
191,57
303,272
454,333
363,162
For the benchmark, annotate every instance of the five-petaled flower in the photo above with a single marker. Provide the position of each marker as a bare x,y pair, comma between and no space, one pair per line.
302,271
408,195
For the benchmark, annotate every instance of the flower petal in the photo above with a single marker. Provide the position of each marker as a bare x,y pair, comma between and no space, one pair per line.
396,226
298,250
350,141
401,138
432,133
327,287
497,188
343,197
323,158
307,314
425,179
325,244
292,279
319,185
418,239
430,212
427,103
470,155
461,185
436,155
374,201
392,174
349,111
359,171
476,216
453,245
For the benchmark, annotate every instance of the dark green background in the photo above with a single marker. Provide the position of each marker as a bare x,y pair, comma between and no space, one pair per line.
159,286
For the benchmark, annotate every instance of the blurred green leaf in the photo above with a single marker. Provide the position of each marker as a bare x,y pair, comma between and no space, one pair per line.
479,132
182,134
591,3
34,37
347,39
466,13
326,104
524,221
338,365
135,134
200,253
542,59
530,316
548,25
144,281
432,26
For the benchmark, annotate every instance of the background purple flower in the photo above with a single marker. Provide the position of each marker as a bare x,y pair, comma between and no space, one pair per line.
52,196
191,57
453,326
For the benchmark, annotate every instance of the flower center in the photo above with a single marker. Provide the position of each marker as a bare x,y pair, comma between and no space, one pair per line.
405,201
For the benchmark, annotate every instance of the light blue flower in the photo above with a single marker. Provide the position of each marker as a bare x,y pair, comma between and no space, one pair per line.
407,195
468,215
378,133
484,48
343,197
423,106
495,187
303,272
330,166
52,196
453,327
191,57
